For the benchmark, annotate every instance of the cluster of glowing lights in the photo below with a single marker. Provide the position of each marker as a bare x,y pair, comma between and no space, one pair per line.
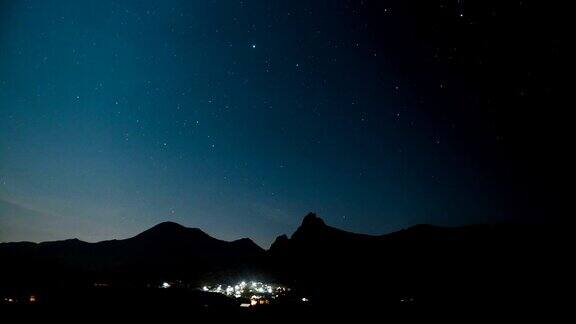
253,290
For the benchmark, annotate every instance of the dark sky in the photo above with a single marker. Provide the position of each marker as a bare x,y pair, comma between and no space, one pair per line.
239,117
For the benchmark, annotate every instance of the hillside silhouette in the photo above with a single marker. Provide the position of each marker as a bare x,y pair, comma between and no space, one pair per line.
474,266
422,266
167,250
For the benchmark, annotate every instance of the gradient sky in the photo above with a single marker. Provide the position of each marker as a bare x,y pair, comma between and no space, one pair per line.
239,117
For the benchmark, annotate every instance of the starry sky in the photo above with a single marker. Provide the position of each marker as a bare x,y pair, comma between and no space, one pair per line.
239,117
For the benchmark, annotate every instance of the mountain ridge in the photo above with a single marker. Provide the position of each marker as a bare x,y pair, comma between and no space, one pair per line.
311,224
422,262
163,229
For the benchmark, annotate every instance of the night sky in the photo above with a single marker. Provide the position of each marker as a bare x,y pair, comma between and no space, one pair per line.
239,117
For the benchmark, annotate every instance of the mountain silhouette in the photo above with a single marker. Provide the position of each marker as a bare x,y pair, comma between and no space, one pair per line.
314,230
463,266
171,240
167,250
432,264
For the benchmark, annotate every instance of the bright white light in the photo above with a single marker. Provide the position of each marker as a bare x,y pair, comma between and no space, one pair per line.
165,285
304,299
254,288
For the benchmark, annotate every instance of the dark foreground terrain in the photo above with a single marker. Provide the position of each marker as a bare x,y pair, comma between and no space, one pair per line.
421,272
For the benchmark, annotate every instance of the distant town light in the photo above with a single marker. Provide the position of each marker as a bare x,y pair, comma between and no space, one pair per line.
304,299
165,285
259,293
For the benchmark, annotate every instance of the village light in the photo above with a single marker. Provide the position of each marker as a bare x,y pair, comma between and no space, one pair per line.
259,292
